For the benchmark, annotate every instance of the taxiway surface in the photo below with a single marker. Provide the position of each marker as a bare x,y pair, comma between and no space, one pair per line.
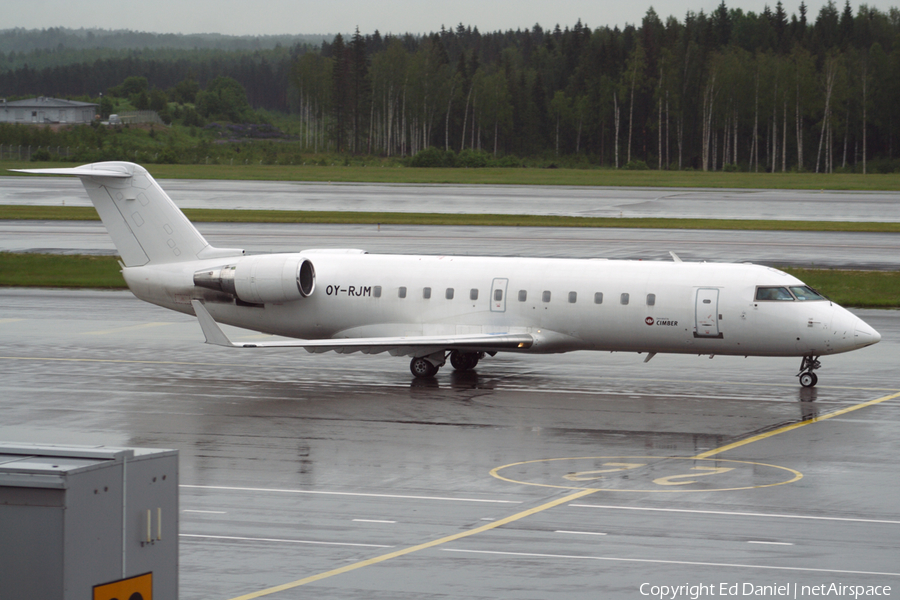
581,201
585,475
775,248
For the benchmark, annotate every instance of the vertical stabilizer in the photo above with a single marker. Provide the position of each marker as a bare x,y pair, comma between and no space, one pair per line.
142,220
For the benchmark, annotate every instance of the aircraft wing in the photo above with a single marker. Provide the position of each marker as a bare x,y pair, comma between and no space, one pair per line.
396,346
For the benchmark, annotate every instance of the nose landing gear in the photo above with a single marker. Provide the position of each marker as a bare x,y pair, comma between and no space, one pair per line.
809,364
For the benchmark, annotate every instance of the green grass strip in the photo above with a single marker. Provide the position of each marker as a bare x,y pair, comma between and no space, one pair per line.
203,215
864,289
60,271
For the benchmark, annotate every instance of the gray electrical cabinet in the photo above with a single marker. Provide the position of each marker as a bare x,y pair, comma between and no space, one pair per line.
88,523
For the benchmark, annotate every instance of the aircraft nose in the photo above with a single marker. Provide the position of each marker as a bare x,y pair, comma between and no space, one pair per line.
864,334
849,332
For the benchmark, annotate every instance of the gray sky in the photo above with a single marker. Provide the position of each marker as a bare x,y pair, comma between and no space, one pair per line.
260,17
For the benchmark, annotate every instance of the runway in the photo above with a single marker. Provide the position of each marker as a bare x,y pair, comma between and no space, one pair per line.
698,203
577,476
774,248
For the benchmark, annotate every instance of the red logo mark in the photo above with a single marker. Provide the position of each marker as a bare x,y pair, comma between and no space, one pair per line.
649,320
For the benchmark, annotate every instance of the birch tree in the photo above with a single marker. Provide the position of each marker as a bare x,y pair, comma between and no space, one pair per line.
635,76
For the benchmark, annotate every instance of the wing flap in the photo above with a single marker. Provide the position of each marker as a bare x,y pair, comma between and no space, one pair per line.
397,346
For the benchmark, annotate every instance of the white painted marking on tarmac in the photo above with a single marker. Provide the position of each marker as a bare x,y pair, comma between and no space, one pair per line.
207,512
283,491
865,421
579,532
737,514
601,392
371,521
669,562
253,539
770,543
128,328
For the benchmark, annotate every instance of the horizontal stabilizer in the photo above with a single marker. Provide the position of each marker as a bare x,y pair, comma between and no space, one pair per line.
82,171
399,345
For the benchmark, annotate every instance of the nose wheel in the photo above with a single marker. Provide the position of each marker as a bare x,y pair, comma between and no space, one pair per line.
808,380
809,364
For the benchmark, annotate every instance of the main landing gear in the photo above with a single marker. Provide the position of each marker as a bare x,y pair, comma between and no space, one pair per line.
809,364
422,366
427,366
465,361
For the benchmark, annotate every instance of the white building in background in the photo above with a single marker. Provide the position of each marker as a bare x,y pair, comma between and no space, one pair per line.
45,111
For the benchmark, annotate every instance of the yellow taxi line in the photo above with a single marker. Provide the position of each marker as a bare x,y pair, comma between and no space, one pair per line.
793,426
411,549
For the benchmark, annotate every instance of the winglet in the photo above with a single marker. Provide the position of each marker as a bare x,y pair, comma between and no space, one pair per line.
212,331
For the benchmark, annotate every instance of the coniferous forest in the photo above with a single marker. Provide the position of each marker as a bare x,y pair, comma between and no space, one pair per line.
730,90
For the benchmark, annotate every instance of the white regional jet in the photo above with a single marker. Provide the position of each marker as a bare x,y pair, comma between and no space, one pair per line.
432,308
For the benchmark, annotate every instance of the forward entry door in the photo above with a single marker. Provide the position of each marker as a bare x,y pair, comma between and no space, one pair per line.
706,314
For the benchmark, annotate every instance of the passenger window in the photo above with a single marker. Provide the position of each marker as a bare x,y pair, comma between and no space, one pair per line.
426,293
401,293
545,297
624,299
523,295
473,294
598,297
573,297
449,294
651,299
376,291
498,295
773,293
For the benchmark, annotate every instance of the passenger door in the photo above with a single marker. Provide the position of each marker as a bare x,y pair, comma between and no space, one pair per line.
706,314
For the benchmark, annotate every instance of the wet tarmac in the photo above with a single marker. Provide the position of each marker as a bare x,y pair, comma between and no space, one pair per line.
774,248
796,205
584,475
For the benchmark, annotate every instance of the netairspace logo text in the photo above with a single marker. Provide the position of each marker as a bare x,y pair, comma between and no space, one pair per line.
772,590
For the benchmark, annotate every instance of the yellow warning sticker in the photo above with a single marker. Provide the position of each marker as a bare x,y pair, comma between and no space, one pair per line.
133,588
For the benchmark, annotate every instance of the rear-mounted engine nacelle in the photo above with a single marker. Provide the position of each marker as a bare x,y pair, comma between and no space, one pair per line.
261,279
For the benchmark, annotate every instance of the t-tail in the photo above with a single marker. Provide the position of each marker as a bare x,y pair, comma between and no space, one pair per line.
145,225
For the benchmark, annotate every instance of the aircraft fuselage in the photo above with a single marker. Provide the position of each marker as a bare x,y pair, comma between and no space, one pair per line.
566,304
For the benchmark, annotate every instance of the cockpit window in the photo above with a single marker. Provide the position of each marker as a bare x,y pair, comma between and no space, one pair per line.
773,293
804,292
